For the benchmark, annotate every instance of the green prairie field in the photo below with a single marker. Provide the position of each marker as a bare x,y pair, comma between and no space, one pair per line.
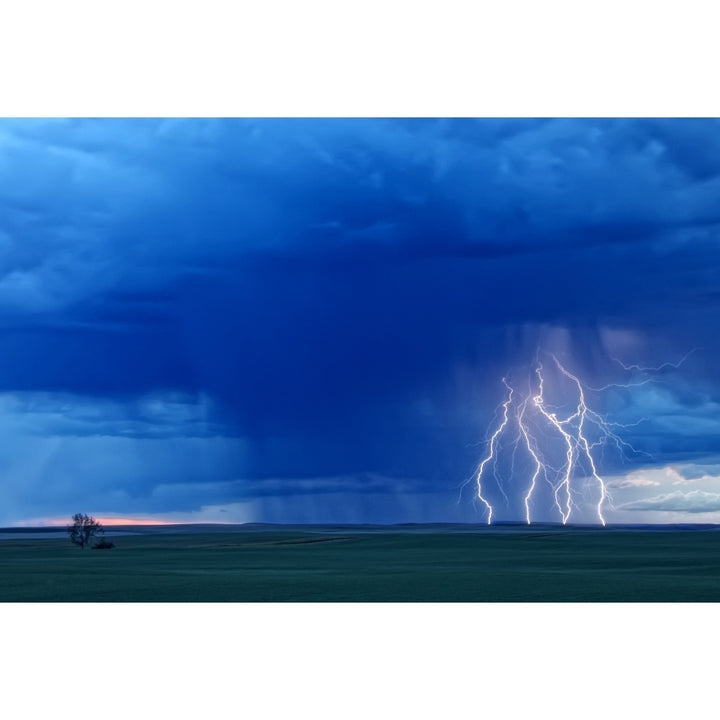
351,564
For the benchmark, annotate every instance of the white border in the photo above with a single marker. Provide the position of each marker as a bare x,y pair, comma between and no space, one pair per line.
322,57
357,661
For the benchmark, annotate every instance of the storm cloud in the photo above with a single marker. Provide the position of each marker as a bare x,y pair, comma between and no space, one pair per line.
199,312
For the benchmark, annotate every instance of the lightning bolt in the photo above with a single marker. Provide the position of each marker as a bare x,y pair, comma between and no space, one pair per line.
642,369
579,431
658,368
530,448
491,451
581,413
551,417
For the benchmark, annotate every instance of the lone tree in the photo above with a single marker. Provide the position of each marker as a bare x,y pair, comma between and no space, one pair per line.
83,529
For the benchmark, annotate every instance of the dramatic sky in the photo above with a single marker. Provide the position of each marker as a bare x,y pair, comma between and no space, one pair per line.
301,320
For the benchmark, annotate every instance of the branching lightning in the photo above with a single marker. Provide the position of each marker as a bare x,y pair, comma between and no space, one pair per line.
491,451
559,425
529,444
658,368
559,442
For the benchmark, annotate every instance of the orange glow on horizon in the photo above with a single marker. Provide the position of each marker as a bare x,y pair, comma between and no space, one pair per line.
110,521
105,521
232,514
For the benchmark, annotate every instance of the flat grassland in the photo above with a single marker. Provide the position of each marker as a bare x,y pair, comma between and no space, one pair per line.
355,564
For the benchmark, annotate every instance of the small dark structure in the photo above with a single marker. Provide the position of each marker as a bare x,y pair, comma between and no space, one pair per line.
103,544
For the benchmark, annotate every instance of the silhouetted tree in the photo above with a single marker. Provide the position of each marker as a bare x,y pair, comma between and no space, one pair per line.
83,529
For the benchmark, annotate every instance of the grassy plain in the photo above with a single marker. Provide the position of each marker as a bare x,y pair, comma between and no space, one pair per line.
406,564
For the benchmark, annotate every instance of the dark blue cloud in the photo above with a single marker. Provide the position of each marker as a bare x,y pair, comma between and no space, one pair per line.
346,294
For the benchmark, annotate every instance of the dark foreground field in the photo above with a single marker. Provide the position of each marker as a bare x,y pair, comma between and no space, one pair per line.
408,564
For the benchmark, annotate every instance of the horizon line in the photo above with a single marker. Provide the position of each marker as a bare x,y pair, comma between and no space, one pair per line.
148,522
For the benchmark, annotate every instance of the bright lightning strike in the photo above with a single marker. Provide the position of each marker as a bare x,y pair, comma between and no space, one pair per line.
530,445
581,413
559,425
491,452
559,443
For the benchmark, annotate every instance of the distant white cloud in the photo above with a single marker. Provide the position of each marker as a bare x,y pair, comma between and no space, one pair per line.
675,476
633,480
700,471
695,501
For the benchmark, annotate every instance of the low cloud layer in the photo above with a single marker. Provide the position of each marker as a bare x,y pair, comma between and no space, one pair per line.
693,501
